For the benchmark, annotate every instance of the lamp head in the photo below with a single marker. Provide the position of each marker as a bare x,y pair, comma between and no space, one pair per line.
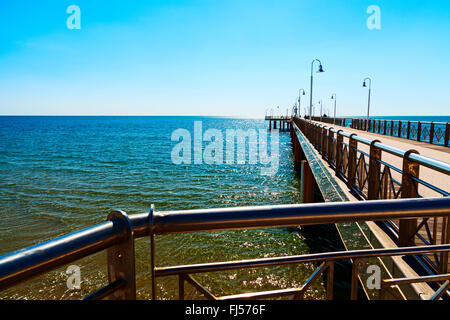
364,85
320,69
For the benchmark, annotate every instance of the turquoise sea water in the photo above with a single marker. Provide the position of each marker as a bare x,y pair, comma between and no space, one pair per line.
62,174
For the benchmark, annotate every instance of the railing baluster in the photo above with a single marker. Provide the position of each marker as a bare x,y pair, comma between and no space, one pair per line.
181,280
374,171
431,132
353,145
355,279
445,239
408,130
409,189
330,279
447,134
419,130
121,264
339,151
152,251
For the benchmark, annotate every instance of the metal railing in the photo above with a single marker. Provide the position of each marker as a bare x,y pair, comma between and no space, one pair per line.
117,236
425,131
371,178
277,117
335,121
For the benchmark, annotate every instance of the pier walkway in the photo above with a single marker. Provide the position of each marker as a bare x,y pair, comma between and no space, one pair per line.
346,164
433,177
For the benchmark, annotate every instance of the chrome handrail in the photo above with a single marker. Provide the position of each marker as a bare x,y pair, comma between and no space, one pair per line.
32,261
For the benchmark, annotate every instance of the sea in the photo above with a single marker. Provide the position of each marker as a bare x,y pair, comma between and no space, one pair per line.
62,174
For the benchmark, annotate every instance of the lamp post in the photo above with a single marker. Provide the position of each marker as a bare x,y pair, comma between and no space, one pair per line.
311,92
368,104
333,97
300,93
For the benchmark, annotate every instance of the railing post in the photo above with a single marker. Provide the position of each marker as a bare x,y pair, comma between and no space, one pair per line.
431,132
314,131
399,129
338,151
408,131
407,227
319,138
180,287
419,130
392,128
374,169
152,252
385,125
297,154
121,263
323,144
330,279
352,146
355,279
330,146
445,238
307,183
447,134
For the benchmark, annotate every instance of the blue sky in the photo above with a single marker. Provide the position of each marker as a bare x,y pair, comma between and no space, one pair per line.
222,57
